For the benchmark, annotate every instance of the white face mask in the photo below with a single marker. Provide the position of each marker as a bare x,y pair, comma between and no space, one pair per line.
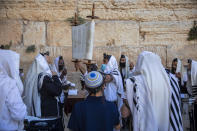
21,74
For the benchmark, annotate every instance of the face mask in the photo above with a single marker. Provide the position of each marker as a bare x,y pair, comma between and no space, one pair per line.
21,74
61,67
122,65
103,66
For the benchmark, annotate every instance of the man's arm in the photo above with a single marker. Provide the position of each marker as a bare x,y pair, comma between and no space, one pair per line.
52,85
108,78
117,127
80,67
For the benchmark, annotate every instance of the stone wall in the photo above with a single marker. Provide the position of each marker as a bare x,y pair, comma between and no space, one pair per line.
125,26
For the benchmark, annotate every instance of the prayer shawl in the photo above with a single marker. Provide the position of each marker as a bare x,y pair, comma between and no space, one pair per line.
179,66
63,81
175,111
114,90
112,69
82,41
131,72
10,83
156,79
125,71
139,99
33,84
55,66
194,78
12,69
56,69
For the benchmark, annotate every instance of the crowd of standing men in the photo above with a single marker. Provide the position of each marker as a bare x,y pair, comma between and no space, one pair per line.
144,97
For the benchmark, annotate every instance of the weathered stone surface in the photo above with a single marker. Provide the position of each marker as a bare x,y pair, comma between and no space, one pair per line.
116,33
10,32
125,27
59,34
106,33
184,52
164,33
131,51
140,10
34,33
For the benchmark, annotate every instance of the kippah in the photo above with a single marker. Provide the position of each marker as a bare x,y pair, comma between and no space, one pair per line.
93,79
122,56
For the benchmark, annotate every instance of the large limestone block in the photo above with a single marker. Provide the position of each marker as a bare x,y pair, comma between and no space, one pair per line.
166,26
139,10
116,33
165,32
10,32
131,51
39,14
184,52
59,34
34,33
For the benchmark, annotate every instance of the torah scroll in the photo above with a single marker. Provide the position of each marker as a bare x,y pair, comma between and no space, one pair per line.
83,40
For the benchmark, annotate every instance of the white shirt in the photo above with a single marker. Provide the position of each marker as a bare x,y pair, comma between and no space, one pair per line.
110,91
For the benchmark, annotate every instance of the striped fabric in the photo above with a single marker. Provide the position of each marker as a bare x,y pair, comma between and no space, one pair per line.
194,91
93,79
175,112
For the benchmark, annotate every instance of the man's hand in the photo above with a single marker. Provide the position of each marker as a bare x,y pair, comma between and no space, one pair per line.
53,73
64,73
117,127
108,78
125,112
76,65
178,75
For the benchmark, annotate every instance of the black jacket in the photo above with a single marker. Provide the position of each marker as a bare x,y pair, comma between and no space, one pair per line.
51,88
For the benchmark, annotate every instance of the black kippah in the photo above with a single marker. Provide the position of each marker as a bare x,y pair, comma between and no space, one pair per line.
105,56
61,58
46,53
122,56
189,61
175,60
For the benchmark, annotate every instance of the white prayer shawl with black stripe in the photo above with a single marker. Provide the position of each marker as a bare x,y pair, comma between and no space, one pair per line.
175,111
139,99
63,81
126,70
114,90
156,79
194,78
33,84
179,66
116,86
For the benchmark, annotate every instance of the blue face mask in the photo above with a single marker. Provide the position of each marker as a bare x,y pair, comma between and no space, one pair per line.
103,66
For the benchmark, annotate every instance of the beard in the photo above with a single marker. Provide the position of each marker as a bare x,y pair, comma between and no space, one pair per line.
173,70
122,65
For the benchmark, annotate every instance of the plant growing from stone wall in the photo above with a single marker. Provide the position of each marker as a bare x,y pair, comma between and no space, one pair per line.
192,35
31,48
80,20
7,47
